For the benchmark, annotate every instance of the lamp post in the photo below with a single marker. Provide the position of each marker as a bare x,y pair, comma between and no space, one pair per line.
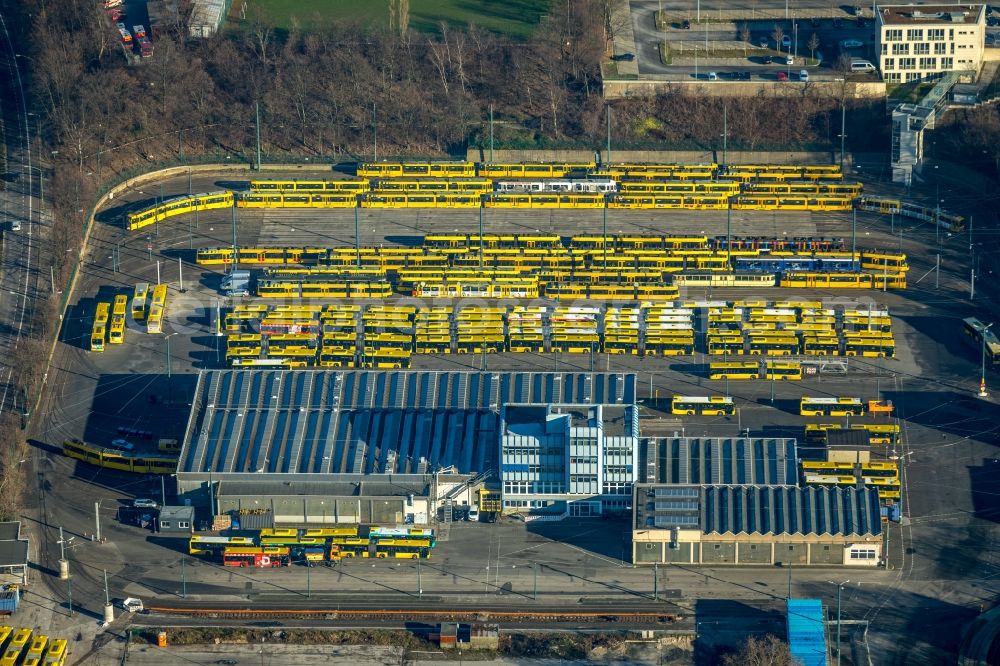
840,589
982,371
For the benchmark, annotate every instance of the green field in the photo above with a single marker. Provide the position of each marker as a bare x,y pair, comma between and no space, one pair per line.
517,18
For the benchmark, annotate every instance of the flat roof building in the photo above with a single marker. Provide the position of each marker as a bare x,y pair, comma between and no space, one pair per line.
925,41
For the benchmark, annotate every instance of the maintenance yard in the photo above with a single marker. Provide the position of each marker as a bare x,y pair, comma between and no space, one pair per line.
939,559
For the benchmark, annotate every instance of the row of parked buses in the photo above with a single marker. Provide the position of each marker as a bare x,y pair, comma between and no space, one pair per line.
115,458
31,648
111,319
277,547
883,476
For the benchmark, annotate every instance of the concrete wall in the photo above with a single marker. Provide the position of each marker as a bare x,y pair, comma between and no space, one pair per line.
718,553
826,553
318,511
647,552
614,89
791,553
754,553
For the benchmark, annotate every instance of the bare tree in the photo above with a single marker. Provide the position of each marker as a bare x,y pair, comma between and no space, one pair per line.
768,651
813,44
404,16
261,32
745,36
776,35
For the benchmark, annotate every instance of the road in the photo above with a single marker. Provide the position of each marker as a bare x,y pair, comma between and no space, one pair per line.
19,258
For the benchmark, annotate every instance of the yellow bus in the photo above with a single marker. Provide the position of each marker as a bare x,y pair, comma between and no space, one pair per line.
17,645
116,333
831,406
56,654
36,650
140,301
783,370
103,313
734,370
715,405
97,335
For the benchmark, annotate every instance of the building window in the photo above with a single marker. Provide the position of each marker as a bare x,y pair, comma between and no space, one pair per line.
791,548
900,49
928,63
892,77
183,524
718,546
862,553
888,63
914,34
935,34
923,48
907,63
753,546
826,548
894,35
650,546
164,523
940,48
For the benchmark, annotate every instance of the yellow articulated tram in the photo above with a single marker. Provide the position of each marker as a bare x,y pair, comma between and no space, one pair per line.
417,170
142,463
178,206
297,200
311,186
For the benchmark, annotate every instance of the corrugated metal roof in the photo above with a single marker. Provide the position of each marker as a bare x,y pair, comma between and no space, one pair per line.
405,422
817,511
806,633
719,460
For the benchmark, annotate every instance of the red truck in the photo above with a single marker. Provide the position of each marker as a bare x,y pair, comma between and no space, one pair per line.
145,47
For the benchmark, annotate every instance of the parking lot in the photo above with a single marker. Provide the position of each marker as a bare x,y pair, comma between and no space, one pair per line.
949,435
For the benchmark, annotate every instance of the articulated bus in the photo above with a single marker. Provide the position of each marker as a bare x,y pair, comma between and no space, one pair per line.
214,545
735,370
831,407
715,405
984,340
178,206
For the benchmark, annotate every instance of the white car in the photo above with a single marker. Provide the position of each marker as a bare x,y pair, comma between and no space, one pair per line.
15,225
789,59
474,513
122,445
804,76
851,44
713,76
143,503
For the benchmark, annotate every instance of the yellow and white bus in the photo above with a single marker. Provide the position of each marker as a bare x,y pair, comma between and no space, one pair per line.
140,301
715,405
789,370
831,406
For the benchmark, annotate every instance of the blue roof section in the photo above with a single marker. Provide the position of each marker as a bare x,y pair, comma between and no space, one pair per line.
812,510
719,460
806,631
402,422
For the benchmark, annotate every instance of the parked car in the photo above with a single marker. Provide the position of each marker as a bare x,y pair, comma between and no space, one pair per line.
782,76
742,76
763,42
804,76
786,41
789,59
144,503
685,24
851,44
15,225
473,515
122,445
627,57
767,60
712,76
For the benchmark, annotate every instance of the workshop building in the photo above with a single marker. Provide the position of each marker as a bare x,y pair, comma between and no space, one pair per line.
755,525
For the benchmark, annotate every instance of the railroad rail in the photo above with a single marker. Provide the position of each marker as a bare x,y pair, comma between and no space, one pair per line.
454,614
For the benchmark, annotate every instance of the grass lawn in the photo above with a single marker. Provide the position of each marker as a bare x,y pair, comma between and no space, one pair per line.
517,18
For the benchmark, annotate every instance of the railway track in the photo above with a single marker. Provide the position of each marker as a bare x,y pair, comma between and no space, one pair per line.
627,616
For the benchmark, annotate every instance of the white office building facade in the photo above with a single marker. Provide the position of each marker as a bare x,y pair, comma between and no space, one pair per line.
925,41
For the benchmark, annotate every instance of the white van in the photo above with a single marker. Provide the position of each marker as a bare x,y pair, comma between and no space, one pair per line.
859,65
